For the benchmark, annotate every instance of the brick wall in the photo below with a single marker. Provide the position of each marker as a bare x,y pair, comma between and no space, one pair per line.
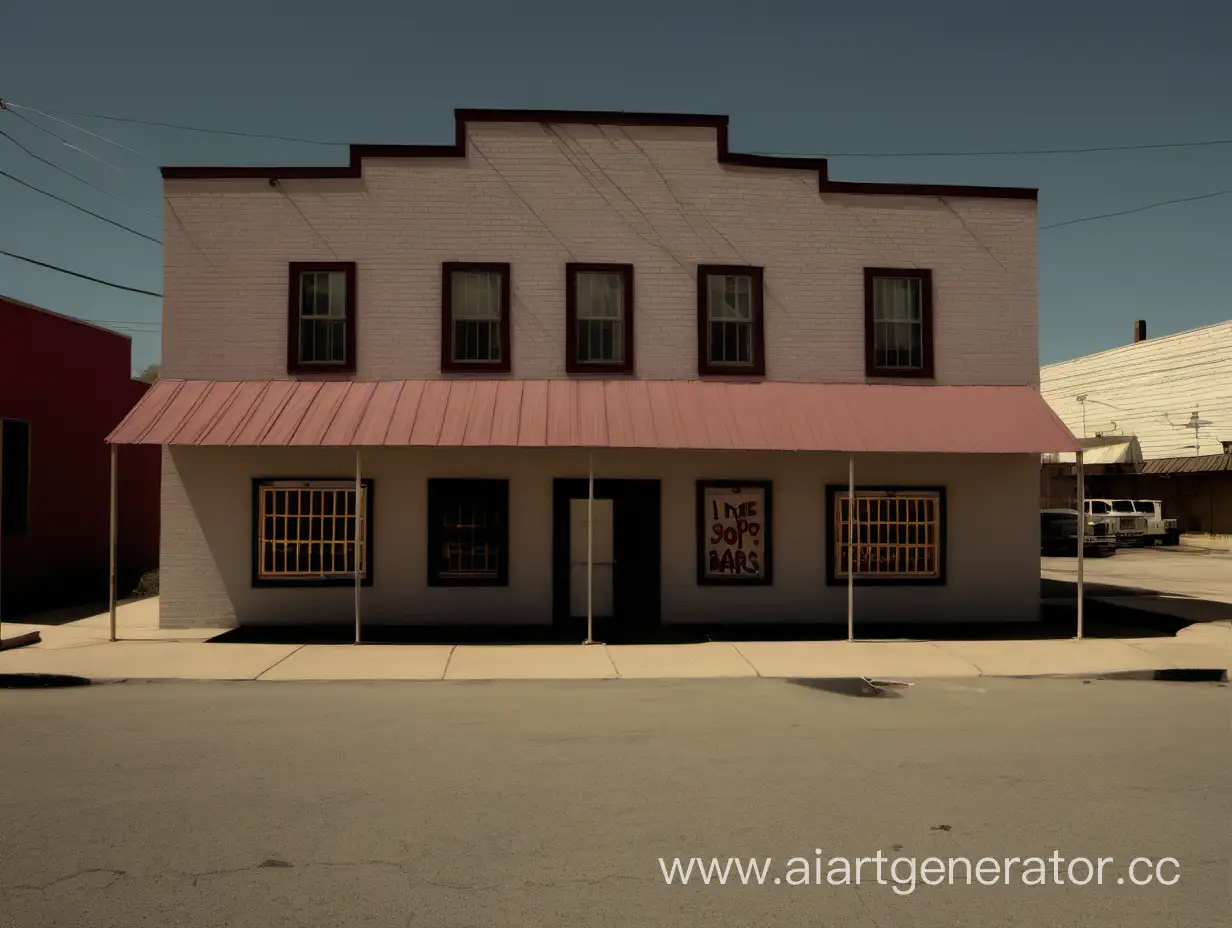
539,196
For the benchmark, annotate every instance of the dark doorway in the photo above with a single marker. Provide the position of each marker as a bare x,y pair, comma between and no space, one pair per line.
627,558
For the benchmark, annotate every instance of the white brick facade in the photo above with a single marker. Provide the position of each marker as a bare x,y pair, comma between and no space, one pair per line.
538,196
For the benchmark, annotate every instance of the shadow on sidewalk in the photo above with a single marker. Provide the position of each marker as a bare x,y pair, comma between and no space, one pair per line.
1058,621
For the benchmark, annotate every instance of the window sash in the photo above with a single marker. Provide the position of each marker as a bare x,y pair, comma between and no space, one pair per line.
311,532
322,317
897,537
729,318
476,316
898,323
600,326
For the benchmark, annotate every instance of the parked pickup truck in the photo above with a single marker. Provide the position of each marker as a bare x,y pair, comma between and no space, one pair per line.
1158,529
1129,523
1059,534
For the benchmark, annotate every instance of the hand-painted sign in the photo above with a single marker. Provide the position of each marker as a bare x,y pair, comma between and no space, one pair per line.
735,543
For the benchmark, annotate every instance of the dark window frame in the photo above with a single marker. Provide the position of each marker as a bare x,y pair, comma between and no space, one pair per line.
369,575
927,367
836,490
703,533
572,364
8,528
350,361
757,367
443,489
448,364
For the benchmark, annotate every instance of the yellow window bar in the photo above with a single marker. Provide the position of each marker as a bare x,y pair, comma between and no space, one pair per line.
310,532
896,536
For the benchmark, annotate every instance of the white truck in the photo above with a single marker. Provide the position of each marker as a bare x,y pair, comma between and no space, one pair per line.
1159,530
1129,523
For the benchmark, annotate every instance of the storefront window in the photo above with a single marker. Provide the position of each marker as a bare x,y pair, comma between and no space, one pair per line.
733,532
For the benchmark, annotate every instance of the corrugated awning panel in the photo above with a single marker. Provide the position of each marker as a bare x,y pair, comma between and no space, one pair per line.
597,413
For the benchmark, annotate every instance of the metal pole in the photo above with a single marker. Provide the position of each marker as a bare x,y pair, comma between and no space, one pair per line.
590,554
851,548
1082,536
360,538
112,537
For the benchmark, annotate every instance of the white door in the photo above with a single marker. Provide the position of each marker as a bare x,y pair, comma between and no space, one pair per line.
602,564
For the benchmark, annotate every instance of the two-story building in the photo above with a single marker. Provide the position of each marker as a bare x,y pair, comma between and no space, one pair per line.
469,329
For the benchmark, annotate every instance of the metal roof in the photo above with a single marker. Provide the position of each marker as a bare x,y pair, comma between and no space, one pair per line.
674,414
1121,450
1198,464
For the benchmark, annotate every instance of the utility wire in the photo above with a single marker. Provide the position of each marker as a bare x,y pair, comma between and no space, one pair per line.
1137,209
62,270
172,125
977,154
77,177
17,106
62,139
118,225
848,154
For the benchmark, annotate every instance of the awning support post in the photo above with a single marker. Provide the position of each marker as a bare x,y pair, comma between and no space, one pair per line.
851,548
360,539
113,530
1082,538
590,553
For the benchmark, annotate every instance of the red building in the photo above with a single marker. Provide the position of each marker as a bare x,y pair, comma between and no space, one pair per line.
64,384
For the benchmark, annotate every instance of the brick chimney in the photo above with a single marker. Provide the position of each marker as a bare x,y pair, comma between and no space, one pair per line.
1140,331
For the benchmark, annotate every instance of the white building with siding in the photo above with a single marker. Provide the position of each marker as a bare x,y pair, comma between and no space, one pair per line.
1151,389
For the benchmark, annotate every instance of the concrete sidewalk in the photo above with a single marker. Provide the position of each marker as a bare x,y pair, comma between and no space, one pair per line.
148,652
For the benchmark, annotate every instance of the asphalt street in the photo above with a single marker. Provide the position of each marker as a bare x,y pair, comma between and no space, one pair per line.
545,804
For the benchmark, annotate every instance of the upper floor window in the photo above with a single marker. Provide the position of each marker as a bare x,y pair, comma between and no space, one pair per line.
730,329
898,322
599,318
475,317
321,324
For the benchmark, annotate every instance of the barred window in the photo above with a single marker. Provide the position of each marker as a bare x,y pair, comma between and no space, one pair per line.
476,308
322,319
899,534
309,531
468,532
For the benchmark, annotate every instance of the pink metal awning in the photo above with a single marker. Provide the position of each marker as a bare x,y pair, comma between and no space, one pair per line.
667,414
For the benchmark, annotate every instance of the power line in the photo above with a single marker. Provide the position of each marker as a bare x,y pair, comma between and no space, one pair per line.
1137,209
187,128
118,225
76,177
131,323
62,270
7,107
847,154
975,154
10,105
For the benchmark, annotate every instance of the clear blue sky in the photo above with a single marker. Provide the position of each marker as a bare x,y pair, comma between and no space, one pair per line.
804,77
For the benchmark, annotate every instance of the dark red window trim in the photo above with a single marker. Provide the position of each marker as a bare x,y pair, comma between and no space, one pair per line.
349,363
572,364
925,276
448,364
758,366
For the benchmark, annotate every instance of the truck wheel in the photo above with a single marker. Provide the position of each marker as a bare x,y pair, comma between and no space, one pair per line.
1172,538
